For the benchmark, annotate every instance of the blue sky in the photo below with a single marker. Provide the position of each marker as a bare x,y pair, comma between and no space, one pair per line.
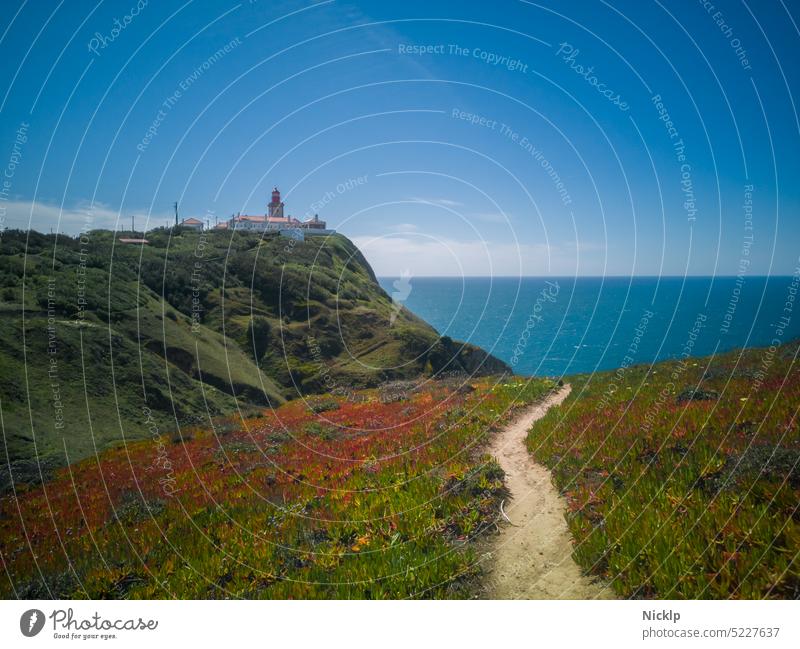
444,138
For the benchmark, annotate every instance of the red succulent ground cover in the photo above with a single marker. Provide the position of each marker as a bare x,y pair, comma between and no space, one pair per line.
683,479
329,497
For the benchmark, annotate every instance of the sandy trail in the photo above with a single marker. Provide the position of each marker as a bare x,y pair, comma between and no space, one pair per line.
532,559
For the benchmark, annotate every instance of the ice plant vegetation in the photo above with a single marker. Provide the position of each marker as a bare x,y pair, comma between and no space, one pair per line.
683,479
375,495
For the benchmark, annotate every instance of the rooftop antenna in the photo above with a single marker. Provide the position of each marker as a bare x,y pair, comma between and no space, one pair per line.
175,205
133,227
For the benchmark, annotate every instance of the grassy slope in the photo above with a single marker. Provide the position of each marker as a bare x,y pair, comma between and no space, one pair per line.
262,304
679,497
375,496
131,342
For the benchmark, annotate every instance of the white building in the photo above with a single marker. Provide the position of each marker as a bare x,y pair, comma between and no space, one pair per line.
275,221
193,223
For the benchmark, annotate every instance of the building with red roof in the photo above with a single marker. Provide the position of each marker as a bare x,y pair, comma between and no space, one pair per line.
193,223
274,220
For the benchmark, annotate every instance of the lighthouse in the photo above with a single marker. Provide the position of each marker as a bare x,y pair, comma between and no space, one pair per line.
275,208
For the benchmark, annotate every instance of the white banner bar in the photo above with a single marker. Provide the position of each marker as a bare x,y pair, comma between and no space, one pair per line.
484,624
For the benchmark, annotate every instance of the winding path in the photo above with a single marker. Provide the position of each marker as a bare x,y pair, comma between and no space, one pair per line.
532,557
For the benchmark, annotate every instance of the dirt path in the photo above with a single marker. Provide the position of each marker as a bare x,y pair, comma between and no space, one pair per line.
532,558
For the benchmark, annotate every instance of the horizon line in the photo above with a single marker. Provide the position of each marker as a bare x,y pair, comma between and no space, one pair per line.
585,276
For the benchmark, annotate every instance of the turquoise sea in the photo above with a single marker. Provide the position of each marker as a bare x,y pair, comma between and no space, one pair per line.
555,326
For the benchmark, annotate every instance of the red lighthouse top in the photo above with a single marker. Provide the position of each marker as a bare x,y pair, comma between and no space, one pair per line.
276,196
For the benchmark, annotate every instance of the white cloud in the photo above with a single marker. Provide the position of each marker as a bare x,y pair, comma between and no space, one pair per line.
444,202
405,227
71,219
391,255
406,248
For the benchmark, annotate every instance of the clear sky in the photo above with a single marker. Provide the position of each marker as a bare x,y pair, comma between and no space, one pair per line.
445,138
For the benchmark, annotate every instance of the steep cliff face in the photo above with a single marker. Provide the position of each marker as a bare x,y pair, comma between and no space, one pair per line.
103,341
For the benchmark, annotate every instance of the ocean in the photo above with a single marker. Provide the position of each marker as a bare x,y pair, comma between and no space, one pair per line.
557,326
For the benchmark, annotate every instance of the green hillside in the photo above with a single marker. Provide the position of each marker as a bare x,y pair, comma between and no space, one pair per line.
683,478
108,341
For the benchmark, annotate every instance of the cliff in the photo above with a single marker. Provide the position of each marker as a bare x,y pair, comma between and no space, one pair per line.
104,341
